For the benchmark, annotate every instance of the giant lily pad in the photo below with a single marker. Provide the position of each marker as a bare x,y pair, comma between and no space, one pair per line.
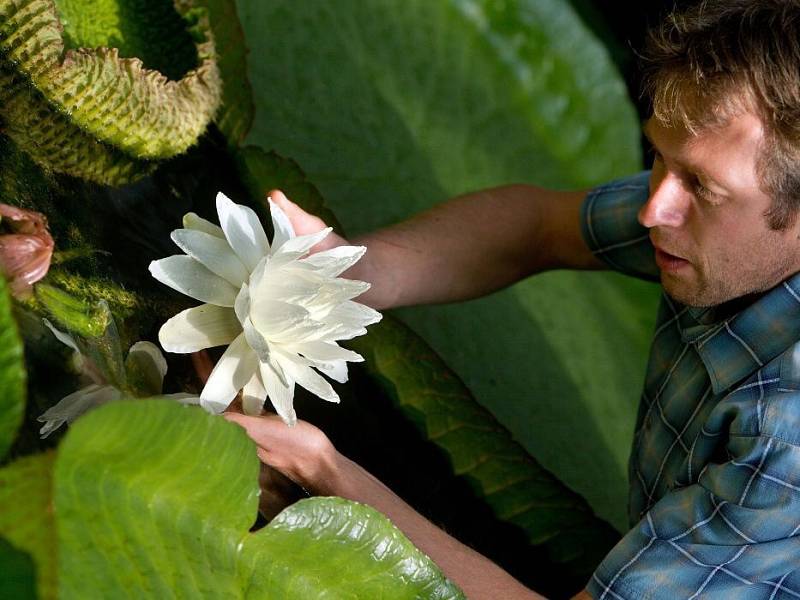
26,515
12,373
392,106
75,94
157,497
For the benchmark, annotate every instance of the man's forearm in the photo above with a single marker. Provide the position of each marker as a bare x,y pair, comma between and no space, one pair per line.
473,245
477,576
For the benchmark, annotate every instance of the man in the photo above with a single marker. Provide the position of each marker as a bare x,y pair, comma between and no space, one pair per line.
715,466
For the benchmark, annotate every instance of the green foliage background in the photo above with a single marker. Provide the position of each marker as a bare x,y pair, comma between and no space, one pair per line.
426,100
489,421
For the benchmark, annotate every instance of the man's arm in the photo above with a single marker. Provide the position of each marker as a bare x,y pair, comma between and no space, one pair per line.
467,247
305,455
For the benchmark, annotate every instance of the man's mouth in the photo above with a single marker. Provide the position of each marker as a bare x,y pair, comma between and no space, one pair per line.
669,262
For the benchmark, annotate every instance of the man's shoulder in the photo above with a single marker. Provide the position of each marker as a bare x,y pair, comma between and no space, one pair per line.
768,402
611,229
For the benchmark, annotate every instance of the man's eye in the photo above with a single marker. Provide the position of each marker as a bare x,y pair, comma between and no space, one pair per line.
705,194
656,155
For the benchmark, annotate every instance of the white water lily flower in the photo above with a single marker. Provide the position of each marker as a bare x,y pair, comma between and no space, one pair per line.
280,311
145,363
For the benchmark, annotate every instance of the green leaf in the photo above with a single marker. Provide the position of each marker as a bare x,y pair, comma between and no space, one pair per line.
19,576
26,515
12,373
262,171
482,453
393,106
235,116
159,497
91,112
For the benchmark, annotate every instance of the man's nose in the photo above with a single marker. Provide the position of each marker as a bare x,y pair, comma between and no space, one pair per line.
668,203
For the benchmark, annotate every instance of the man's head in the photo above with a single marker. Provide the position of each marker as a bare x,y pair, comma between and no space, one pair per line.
724,81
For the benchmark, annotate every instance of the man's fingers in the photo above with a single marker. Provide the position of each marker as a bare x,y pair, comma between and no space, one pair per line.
302,221
259,429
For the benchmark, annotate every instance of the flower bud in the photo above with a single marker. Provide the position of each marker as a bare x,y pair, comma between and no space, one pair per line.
26,248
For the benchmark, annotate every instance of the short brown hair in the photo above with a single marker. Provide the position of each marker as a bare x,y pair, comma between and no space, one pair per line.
718,58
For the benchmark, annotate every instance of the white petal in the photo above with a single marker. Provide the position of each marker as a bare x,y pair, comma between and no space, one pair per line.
333,262
184,398
212,252
243,231
324,351
256,341
305,332
241,306
272,316
192,221
280,393
353,314
288,285
199,327
62,337
253,396
186,275
281,225
338,290
305,376
335,369
302,243
148,351
234,369
71,407
332,294
145,368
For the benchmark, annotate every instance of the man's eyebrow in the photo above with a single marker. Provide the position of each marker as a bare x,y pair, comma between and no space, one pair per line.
694,169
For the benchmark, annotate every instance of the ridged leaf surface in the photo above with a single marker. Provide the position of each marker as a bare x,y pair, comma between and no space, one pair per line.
482,452
12,373
156,497
89,112
26,515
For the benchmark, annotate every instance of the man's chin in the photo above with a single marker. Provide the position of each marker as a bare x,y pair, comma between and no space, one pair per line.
686,294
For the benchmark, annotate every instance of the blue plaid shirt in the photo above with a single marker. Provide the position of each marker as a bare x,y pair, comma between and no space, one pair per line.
715,466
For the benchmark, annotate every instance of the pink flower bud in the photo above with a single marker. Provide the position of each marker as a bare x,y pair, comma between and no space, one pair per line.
26,248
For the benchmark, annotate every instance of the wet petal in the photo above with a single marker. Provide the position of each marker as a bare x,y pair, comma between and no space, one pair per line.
62,337
186,275
71,407
192,221
231,373
200,327
302,243
335,369
253,396
213,253
243,231
331,263
281,225
145,368
305,376
273,316
280,393
324,351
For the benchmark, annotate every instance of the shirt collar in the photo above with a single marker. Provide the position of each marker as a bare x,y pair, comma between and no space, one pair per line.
733,341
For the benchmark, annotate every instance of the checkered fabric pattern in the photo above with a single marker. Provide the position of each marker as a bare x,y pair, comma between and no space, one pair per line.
715,466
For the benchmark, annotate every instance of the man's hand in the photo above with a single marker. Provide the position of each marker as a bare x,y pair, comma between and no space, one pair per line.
304,223
303,453
306,455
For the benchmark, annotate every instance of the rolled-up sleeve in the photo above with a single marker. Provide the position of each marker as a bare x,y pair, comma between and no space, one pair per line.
611,229
733,534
